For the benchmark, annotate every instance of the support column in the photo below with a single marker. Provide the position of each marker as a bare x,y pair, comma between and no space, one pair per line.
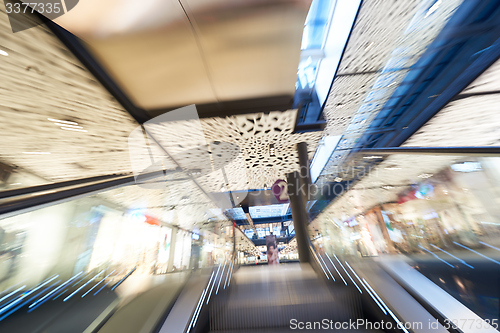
171,254
299,215
305,173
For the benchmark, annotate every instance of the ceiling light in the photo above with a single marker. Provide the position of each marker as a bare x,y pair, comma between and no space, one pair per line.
337,179
272,151
36,152
369,46
433,8
63,121
2,52
371,157
390,85
67,125
73,129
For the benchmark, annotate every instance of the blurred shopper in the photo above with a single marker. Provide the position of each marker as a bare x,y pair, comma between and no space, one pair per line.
272,254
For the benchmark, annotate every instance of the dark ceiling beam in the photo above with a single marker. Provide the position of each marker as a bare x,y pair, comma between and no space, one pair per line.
264,220
493,151
262,241
236,107
317,126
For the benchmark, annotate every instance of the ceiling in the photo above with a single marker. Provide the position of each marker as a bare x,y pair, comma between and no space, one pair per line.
471,119
167,54
51,83
191,59
376,59
51,86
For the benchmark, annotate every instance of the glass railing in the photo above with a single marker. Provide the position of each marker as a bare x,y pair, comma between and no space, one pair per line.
78,261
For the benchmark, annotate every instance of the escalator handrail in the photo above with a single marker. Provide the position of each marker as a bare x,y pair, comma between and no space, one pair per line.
46,187
63,193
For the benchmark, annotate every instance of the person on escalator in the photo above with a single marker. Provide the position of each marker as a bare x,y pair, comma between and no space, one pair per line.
272,254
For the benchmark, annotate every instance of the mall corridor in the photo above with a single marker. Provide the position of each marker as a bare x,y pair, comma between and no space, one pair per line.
193,166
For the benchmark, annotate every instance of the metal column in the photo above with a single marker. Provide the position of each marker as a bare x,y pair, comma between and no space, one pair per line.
298,191
299,214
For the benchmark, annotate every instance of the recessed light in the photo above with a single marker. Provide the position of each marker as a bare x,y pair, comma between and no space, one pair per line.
272,151
2,52
63,121
67,125
433,8
73,129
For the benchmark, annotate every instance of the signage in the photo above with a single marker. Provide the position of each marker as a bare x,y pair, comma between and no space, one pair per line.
151,220
280,190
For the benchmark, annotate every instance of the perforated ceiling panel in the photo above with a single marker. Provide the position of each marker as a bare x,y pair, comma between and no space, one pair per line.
411,31
343,103
254,133
471,120
41,79
368,50
240,149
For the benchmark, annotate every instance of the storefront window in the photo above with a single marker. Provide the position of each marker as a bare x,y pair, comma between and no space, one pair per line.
457,203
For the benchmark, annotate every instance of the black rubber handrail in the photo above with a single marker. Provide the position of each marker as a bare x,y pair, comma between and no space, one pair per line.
47,187
65,193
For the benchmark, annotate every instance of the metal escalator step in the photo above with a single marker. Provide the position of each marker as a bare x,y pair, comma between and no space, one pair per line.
266,299
230,313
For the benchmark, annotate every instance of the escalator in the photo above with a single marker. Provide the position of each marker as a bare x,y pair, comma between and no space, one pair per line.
283,298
